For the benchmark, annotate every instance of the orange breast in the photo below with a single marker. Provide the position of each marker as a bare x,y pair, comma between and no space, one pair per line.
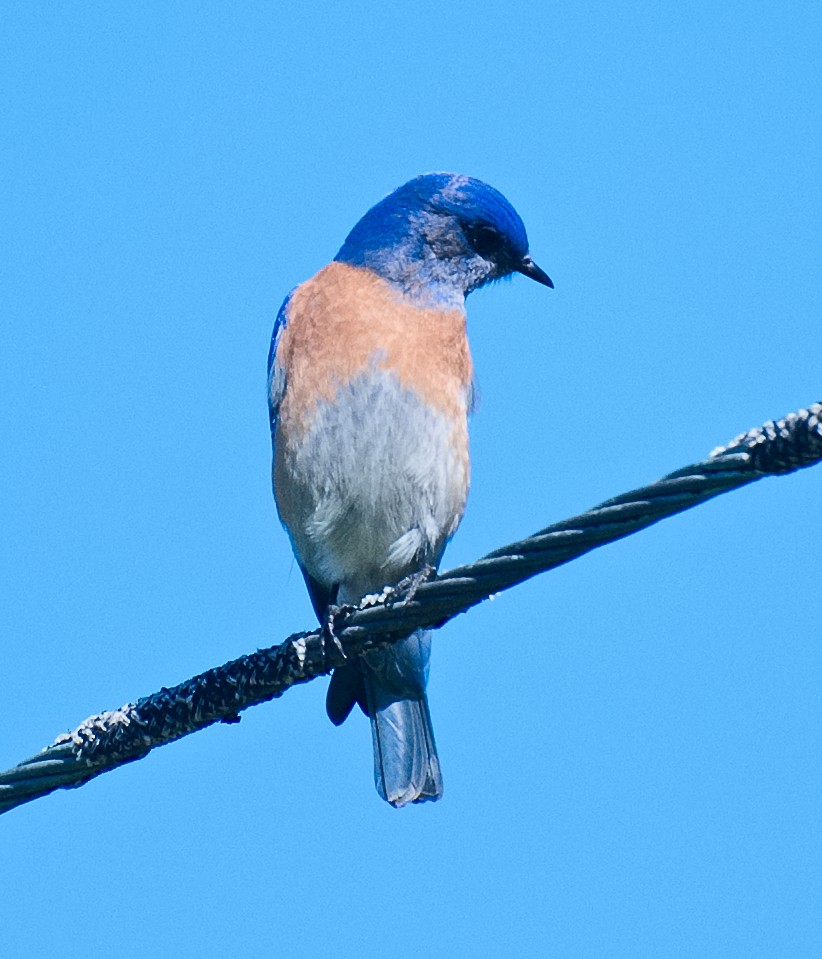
344,319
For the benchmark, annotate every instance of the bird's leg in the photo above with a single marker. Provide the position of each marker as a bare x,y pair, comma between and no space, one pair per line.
400,594
406,589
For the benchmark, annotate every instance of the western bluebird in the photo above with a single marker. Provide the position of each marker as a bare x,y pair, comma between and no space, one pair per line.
370,386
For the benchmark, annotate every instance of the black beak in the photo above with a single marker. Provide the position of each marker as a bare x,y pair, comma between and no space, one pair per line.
528,268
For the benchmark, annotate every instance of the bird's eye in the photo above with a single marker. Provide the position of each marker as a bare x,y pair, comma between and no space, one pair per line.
484,238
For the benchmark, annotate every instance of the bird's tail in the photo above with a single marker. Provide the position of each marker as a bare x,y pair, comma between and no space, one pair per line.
389,684
406,765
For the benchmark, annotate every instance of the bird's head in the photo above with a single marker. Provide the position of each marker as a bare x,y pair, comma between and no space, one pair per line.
440,236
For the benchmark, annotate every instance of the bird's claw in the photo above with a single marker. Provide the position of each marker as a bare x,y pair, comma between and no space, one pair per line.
332,646
406,589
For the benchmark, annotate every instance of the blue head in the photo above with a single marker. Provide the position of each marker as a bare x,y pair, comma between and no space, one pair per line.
440,236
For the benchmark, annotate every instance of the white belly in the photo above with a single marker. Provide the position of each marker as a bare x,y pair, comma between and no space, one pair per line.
374,487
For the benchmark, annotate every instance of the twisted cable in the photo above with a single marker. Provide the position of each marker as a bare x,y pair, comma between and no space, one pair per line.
107,740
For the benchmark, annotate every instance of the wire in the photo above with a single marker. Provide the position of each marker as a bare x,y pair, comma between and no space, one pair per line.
111,739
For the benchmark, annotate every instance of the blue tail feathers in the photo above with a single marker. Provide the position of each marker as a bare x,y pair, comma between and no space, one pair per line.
393,680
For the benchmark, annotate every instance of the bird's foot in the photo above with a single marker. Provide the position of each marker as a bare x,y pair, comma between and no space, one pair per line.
406,589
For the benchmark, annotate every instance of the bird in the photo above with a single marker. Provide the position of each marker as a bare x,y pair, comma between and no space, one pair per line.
370,385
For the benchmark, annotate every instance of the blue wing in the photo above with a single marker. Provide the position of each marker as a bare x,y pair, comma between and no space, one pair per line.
276,374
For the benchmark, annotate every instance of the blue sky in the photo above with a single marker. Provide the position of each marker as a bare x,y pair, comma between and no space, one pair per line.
632,744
